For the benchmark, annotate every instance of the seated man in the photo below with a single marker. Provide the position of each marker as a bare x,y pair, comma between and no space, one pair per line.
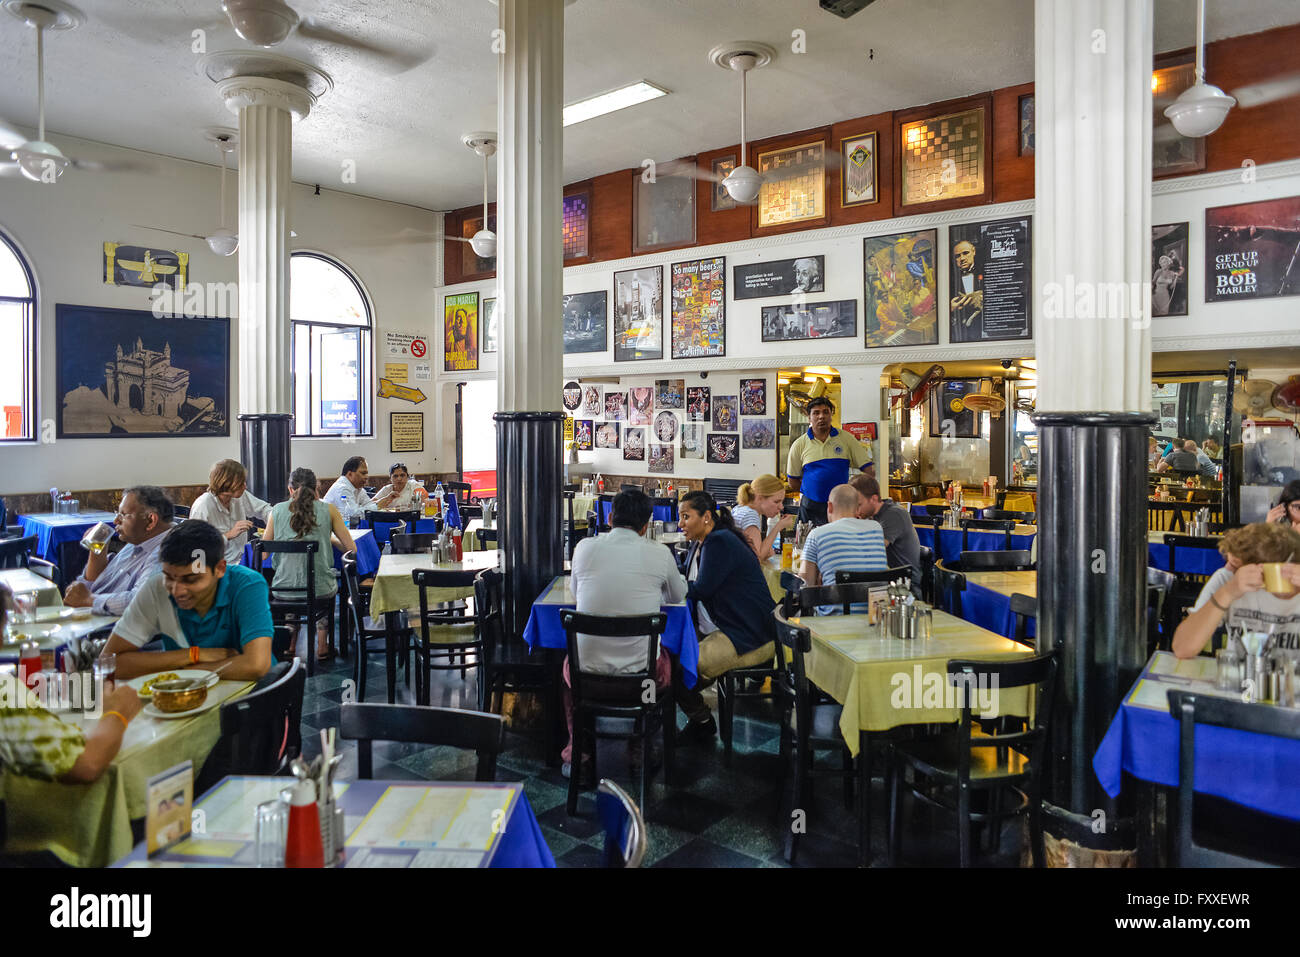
902,546
348,493
110,581
205,611
846,542
1182,458
622,573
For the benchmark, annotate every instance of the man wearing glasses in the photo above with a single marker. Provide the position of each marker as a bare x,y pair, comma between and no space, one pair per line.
110,581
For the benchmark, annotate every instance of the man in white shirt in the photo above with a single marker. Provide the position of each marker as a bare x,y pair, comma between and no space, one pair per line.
348,493
622,573
110,581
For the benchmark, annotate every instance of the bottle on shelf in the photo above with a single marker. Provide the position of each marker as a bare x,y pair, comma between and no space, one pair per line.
600,484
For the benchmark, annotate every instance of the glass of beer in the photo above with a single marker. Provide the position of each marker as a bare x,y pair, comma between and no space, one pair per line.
97,538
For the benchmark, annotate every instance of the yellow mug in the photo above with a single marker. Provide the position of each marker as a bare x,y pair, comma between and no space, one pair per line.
1274,580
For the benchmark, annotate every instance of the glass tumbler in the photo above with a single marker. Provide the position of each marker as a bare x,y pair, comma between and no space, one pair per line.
1229,669
270,832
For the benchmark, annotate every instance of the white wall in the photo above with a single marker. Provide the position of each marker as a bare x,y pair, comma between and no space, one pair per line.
61,229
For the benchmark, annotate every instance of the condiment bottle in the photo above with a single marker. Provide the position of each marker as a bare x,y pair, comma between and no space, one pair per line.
303,846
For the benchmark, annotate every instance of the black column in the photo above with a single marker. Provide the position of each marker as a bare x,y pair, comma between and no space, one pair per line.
1092,558
529,485
264,450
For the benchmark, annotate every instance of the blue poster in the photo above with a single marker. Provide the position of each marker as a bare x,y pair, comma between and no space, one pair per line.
339,415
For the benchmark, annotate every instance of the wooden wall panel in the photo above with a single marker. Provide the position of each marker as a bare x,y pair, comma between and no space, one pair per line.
1265,134
883,208
611,216
1013,174
724,226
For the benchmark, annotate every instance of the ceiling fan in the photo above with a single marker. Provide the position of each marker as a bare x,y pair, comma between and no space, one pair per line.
223,241
483,242
267,23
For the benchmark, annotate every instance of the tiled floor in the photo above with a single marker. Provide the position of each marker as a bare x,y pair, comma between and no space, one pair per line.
711,815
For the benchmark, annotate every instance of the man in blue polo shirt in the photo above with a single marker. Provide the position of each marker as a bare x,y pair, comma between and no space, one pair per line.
820,459
206,612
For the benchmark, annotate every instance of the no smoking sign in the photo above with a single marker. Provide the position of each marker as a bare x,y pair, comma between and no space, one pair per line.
418,348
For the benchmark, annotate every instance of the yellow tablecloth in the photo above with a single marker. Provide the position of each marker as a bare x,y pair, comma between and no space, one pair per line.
772,572
395,591
1006,583
89,825
884,683
471,536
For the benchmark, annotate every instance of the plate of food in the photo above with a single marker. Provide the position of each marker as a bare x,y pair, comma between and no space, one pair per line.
143,685
151,711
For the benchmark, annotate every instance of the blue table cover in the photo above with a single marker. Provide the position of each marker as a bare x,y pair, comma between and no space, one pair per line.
1193,561
52,530
1255,770
992,610
980,541
384,530
367,556
663,513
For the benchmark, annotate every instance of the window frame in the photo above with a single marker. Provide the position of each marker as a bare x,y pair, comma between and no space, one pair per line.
31,344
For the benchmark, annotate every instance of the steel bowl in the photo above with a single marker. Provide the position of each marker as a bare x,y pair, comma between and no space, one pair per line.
173,697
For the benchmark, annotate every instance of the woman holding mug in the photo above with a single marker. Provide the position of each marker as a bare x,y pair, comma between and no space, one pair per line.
762,498
229,507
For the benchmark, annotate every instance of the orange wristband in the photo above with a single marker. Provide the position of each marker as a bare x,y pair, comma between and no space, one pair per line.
194,654
117,714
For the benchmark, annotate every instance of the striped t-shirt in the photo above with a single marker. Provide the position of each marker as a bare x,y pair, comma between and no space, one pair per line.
846,544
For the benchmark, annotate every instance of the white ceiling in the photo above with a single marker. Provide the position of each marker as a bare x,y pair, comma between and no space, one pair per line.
127,77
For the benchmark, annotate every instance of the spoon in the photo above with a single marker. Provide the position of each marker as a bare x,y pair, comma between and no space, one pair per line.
196,682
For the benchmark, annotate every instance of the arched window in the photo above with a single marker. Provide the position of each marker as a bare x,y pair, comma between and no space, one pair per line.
17,344
331,325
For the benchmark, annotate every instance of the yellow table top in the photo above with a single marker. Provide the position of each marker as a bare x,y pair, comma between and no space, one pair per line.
394,590
968,501
772,572
22,580
1006,583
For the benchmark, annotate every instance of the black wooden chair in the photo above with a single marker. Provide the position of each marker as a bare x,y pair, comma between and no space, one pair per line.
622,696
604,511
1023,518
486,537
21,553
261,732
846,596
624,827
1005,526
1162,618
927,573
411,543
386,524
670,503
936,511
631,487
446,633
508,663
1024,608
723,490
441,727
463,491
297,605
1256,839
363,635
570,523
966,761
948,586
1016,560
881,577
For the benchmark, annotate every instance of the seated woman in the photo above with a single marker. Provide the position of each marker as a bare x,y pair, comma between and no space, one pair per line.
406,494
1287,510
1236,594
762,498
305,518
732,607
229,507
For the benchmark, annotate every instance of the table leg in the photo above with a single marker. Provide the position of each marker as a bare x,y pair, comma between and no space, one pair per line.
864,799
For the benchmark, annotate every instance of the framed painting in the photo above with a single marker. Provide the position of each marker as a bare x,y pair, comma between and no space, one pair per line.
794,184
943,155
144,266
1025,109
1169,280
473,266
782,277
1171,153
989,280
858,170
699,308
575,217
1252,250
816,320
900,296
489,325
721,199
585,324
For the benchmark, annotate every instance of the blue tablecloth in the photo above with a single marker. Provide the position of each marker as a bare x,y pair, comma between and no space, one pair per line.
992,610
980,541
53,530
1256,770
663,513
1193,561
367,556
384,530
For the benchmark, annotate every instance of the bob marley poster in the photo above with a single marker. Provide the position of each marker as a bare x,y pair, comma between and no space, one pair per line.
1252,251
460,326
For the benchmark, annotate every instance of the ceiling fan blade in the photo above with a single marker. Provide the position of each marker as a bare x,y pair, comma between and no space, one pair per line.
10,168
10,138
456,239
404,59
1165,133
172,231
112,166
696,172
1269,91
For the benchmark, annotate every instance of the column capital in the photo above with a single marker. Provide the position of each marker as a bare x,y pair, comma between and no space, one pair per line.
239,92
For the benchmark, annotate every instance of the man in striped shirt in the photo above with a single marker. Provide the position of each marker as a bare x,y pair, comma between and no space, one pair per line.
845,543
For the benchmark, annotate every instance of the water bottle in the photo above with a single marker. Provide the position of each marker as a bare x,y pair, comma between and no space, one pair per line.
440,495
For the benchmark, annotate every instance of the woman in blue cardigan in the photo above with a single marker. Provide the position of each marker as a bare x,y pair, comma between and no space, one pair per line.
732,606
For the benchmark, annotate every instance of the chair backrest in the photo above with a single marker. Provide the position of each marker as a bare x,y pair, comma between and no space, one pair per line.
948,586
1016,560
792,584
927,572
1175,542
488,597
72,559
624,690
792,643
1168,516
409,543
306,549
462,490
441,727
258,729
880,577
723,490
1190,709
936,511
484,536
426,578
668,502
624,827
1005,526
407,519
631,487
1023,608
846,596
605,510
14,552
570,522
1026,518
975,680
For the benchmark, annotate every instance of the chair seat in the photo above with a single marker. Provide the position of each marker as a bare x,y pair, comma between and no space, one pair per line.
460,634
938,757
516,654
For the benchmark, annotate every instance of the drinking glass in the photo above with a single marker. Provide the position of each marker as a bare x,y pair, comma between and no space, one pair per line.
270,832
105,670
1229,669
924,622
25,607
96,538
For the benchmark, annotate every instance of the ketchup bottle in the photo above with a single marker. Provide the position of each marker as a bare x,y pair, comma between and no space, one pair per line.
457,536
302,847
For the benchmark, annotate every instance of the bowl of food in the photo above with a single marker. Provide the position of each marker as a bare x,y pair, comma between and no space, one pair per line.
178,694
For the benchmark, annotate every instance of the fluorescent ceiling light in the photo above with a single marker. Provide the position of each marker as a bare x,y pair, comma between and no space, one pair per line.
619,99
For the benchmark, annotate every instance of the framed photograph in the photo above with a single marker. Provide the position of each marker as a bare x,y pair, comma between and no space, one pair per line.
585,324
592,404
785,277
949,417
145,266
723,449
900,296
471,265
1250,250
661,457
460,325
406,431
634,445
699,308
639,314
582,434
1026,111
753,397
607,435
640,404
663,211
697,403
725,418
858,170
122,373
692,440
943,156
721,199
819,320
794,184
1169,279
989,281
758,434
615,406
666,427
489,326
670,393
1172,154
575,214
572,395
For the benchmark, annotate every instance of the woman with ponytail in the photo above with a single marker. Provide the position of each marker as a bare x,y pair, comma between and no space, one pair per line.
305,518
732,606
762,498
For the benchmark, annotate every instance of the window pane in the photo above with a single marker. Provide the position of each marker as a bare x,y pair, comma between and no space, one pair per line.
340,379
478,405
301,379
13,279
14,350
320,291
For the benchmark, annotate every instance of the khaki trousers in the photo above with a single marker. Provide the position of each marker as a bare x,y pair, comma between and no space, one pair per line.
717,656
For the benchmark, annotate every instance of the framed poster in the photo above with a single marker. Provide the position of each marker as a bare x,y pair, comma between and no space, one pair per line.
725,418
666,427
721,199
615,406
640,403
949,417
661,458
1250,250
758,434
858,170
862,431
607,435
592,405
943,156
571,396
406,431
697,403
1171,153
989,281
819,320
785,277
1025,108
639,314
1169,280
723,449
575,215
900,296
460,325
582,434
585,326
144,266
753,397
663,210
489,325
699,308
692,440
634,445
794,184
169,799
122,373
670,393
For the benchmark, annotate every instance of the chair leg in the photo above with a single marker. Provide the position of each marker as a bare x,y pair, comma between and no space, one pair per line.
359,668
575,761
846,762
390,656
796,815
726,705
645,758
963,824
864,799
669,720
310,650
895,807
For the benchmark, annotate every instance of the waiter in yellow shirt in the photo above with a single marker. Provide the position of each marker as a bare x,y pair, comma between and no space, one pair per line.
820,459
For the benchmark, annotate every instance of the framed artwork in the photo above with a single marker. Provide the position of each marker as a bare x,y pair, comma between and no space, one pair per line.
785,277
585,324
122,373
406,431
692,440
758,434
640,402
661,457
989,281
639,314
820,320
670,393
943,156
699,308
582,432
1250,250
794,184
723,449
144,266
592,404
900,296
1172,154
489,326
1025,108
607,435
572,395
753,397
666,427
663,211
634,445
575,213
858,170
615,406
471,265
721,199
949,417
725,418
1169,279
460,326
697,403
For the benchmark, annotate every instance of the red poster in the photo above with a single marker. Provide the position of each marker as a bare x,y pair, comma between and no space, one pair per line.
862,431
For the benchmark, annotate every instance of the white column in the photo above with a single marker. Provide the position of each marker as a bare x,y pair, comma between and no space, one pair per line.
266,110
1092,185
530,105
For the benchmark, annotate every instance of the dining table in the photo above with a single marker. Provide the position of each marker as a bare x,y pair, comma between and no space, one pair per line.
977,540
52,529
987,599
20,580
395,824
367,553
1191,561
89,825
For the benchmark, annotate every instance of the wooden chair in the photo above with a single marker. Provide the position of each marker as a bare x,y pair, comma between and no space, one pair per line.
927,573
486,537
446,633
21,553
440,727
670,503
846,596
412,543
1022,518
1005,526
297,605
948,586
359,610
1016,560
463,491
880,577
261,732
1024,608
508,663
384,524
624,827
